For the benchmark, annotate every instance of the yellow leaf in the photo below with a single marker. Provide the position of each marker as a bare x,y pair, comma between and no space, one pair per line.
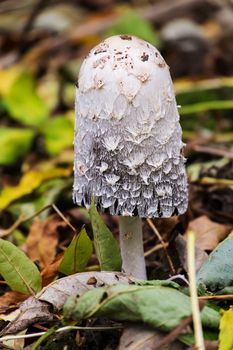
28,183
226,330
7,78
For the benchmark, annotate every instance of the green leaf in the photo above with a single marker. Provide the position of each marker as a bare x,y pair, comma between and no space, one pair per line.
217,271
107,248
23,102
210,317
226,330
59,133
77,254
18,270
132,23
201,107
160,307
157,305
14,144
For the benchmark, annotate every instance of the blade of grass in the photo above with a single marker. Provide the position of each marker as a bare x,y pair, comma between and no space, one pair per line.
199,340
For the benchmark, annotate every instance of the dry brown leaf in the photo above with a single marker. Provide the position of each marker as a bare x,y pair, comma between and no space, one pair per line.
11,298
57,292
143,338
50,272
29,312
42,240
53,297
181,246
208,233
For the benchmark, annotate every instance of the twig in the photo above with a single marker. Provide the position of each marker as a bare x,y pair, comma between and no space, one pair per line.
214,151
63,218
209,345
29,23
13,227
156,232
215,181
199,340
62,329
173,334
155,249
24,218
210,297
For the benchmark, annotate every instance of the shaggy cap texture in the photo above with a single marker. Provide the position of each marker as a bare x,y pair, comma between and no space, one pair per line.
127,134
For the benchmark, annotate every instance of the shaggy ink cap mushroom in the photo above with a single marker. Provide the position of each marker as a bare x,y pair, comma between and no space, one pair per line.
127,136
128,141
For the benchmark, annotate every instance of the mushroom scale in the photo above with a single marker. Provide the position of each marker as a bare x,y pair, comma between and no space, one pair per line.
128,139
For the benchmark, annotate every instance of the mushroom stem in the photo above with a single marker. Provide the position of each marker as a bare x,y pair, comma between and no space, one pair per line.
131,243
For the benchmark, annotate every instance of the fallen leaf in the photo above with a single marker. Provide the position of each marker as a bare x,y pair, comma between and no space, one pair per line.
28,183
217,271
42,240
30,311
53,297
19,272
159,306
208,233
11,298
50,272
141,337
58,291
16,343
181,246
77,254
226,330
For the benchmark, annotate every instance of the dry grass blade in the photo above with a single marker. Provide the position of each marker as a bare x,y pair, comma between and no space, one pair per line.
199,340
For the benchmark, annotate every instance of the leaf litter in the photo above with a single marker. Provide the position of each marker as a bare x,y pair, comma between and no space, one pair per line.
38,70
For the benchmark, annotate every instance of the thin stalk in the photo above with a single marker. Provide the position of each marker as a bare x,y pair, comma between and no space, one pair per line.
198,334
158,235
59,330
131,243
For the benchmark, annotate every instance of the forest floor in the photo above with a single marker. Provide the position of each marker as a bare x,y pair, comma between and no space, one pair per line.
45,237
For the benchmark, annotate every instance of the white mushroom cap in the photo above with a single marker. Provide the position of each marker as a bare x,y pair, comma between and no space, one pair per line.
127,135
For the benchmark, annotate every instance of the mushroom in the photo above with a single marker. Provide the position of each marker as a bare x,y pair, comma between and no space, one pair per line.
128,146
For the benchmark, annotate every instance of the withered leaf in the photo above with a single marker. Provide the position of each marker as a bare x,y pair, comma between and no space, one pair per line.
137,336
9,299
42,240
53,297
208,233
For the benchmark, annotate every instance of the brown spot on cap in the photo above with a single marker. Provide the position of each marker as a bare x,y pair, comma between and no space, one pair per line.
144,57
92,280
126,37
99,51
162,64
